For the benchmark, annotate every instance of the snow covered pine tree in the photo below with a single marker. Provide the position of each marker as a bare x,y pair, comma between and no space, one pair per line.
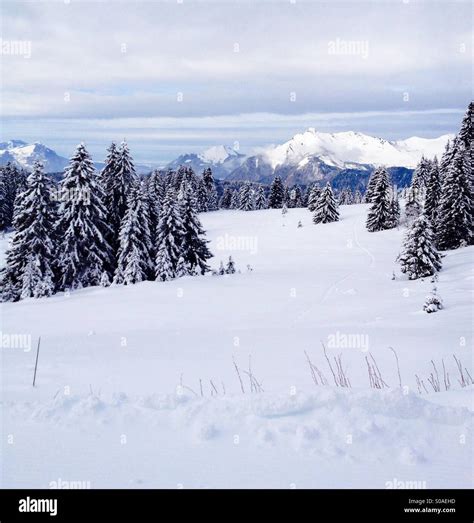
30,259
169,237
84,253
419,257
246,197
134,259
326,207
455,211
194,251
380,213
277,193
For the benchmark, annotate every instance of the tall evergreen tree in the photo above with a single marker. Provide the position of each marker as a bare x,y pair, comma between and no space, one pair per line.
202,198
313,197
326,207
394,219
12,183
371,185
134,261
413,207
447,158
4,217
226,199
380,213
433,193
84,251
32,252
277,193
455,211
169,237
194,250
419,257
235,200
211,189
260,198
156,192
246,197
122,182
421,175
466,133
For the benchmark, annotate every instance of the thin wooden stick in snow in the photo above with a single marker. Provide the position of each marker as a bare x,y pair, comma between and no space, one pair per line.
36,363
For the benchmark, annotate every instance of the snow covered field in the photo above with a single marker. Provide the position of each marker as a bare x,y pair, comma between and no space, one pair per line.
118,398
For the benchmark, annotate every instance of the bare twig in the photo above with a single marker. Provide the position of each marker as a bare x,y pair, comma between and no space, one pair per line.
447,384
398,367
330,366
214,387
238,374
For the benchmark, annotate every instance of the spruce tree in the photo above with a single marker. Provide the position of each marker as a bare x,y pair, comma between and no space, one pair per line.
194,250
12,183
455,211
4,215
277,193
371,185
30,258
235,200
202,199
313,197
211,189
326,207
156,192
419,257
226,199
260,198
230,267
394,219
358,198
168,238
122,182
246,197
466,133
447,158
433,193
134,261
84,252
380,213
421,175
413,206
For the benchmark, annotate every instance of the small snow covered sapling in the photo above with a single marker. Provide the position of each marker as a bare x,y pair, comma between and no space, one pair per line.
230,269
284,209
433,302
300,224
221,270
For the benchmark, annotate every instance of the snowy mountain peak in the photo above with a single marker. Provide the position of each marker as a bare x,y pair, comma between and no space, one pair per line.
339,149
218,154
24,155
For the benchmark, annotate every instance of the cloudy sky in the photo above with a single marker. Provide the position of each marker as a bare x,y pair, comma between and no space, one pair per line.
179,76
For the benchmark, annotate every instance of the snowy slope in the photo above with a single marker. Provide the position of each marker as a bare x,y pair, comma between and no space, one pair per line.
120,369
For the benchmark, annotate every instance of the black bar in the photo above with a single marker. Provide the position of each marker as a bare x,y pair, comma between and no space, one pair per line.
241,505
